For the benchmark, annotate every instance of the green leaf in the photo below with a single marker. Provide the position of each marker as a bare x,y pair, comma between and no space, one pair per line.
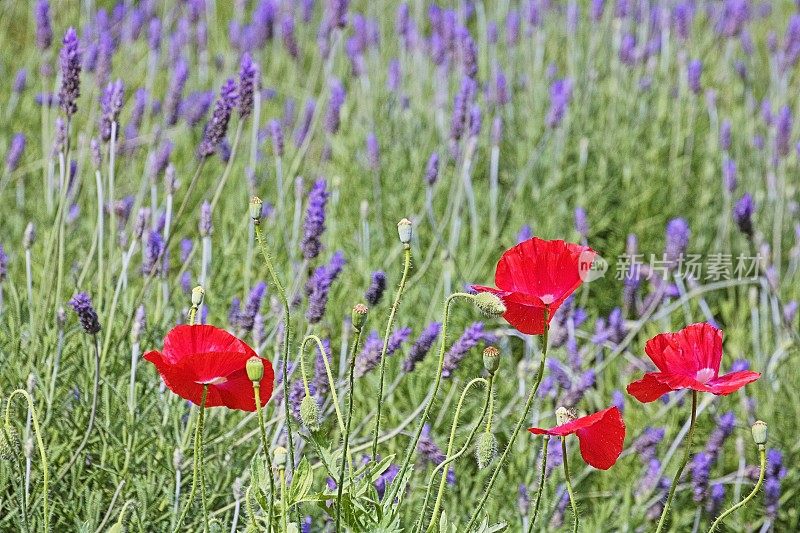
302,479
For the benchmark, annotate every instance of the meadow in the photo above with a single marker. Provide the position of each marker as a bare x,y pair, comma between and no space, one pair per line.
318,265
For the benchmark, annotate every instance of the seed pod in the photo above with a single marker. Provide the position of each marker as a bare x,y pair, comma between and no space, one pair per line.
485,449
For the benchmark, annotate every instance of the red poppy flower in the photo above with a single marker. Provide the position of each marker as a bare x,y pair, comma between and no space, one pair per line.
600,435
195,356
688,359
537,276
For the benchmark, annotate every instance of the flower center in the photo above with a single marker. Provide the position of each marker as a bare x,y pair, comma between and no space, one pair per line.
547,299
704,375
213,381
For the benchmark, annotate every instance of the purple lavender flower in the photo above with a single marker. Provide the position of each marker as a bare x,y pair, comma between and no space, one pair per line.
677,240
559,373
218,125
575,394
525,233
430,452
15,152
729,174
385,478
469,53
475,121
376,288
432,169
195,107
20,81
159,160
70,73
370,356
790,312
701,473
137,113
461,106
725,135
81,303
314,224
373,151
693,73
523,499
110,105
319,285
302,129
154,34
276,134
336,13
105,54
783,131
333,114
234,312
581,222
772,484
560,96
248,85
715,499
288,36
421,346
618,400
44,31
646,444
174,97
743,214
154,249
512,27
468,340
253,306
3,264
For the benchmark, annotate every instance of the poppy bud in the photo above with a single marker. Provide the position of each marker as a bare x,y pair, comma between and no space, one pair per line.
760,432
491,359
255,369
485,449
255,209
309,413
489,304
359,316
564,415
279,455
197,296
116,528
404,231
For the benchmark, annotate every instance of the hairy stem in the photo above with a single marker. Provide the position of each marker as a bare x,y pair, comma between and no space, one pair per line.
545,442
265,445
572,501
197,470
762,457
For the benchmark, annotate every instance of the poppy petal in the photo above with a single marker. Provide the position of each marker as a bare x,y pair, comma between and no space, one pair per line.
551,270
570,427
175,378
601,442
649,388
185,340
695,348
732,382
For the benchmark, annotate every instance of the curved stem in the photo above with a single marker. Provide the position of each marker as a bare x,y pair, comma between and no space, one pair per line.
285,511
262,244
443,481
265,445
437,382
331,383
676,479
572,501
520,422
346,437
545,442
762,457
392,313
197,470
40,445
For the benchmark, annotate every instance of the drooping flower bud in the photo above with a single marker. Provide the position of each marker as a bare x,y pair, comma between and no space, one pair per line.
760,432
255,369
198,293
309,413
491,359
404,231
489,304
359,316
485,449
279,455
256,206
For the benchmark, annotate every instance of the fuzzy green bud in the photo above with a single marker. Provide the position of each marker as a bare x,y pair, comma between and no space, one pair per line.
564,415
198,293
404,231
485,449
491,359
359,316
255,369
760,432
309,413
116,528
256,209
489,304
279,455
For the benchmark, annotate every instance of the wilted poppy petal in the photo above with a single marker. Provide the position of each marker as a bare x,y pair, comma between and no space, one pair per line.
601,442
648,389
185,340
732,382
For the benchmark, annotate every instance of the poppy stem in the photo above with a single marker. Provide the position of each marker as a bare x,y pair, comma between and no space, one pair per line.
401,473
285,511
262,244
545,442
331,382
346,437
520,422
762,457
392,313
449,457
265,445
676,479
572,501
197,467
